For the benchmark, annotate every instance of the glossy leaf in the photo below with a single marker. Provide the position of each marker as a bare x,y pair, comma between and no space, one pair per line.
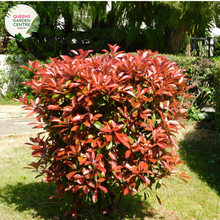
110,122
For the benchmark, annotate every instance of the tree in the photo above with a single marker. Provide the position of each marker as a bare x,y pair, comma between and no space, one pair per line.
167,21
192,17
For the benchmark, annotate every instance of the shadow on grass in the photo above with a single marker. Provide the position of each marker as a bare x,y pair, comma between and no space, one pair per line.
200,150
35,196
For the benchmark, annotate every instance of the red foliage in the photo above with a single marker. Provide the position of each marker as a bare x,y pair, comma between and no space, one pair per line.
111,122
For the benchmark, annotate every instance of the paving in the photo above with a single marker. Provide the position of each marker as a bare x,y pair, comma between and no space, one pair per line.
13,121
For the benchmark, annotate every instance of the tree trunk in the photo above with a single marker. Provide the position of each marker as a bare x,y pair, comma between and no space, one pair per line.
174,39
111,19
68,26
68,22
98,24
113,205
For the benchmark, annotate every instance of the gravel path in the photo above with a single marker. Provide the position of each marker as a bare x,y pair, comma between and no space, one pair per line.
13,121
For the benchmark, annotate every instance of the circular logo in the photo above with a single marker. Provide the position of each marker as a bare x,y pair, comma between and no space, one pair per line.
21,21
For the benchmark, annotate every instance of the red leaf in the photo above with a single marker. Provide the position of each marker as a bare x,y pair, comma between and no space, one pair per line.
82,160
68,212
108,137
53,107
37,152
142,203
78,176
141,165
34,64
158,199
30,113
27,68
100,180
73,148
55,196
90,183
95,196
97,116
146,180
74,214
183,174
67,108
101,168
76,188
162,145
36,147
103,189
126,191
77,118
86,189
54,119
105,130
154,132
75,128
75,52
122,139
127,154
74,102
32,102
117,175
98,158
40,125
69,175
112,155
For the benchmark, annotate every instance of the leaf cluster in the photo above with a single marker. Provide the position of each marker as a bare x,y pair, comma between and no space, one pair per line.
111,124
201,71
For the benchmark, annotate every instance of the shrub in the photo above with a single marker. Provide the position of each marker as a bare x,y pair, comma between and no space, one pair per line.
201,73
217,47
111,122
13,78
217,93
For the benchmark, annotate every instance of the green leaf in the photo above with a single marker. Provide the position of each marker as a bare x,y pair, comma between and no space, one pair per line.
56,95
107,115
19,36
131,139
101,102
158,185
34,25
61,101
121,119
109,146
154,118
125,125
81,127
68,82
98,125
69,96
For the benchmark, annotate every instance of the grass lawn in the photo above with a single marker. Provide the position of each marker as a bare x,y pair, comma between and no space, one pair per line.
8,102
24,197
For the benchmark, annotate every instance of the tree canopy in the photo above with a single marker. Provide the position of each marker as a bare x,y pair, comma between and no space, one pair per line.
156,25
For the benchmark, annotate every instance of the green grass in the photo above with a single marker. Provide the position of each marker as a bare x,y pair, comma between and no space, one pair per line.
24,197
8,102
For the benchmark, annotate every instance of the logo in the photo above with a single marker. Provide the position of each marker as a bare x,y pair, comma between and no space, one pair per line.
21,21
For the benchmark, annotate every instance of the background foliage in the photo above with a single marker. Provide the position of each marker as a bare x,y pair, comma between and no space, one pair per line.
163,27
201,72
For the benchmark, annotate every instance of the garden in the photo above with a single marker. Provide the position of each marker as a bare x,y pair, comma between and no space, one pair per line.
127,135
